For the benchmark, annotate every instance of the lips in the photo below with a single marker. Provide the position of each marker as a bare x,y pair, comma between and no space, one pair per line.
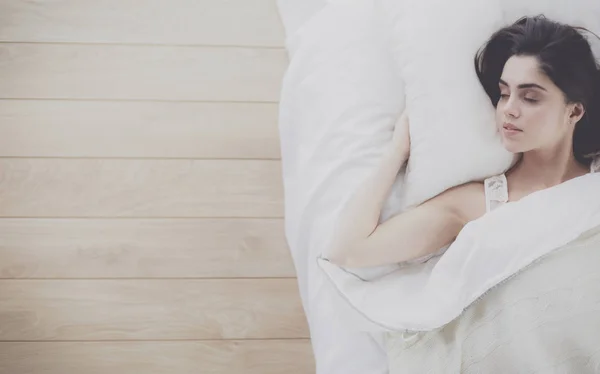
510,127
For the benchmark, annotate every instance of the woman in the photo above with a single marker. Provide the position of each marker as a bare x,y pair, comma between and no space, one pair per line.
544,82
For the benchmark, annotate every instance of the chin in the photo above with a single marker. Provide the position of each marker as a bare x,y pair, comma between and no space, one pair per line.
512,146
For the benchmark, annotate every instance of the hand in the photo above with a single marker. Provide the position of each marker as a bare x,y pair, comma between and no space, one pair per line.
401,136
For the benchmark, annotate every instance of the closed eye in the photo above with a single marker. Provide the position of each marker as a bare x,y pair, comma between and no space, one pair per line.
527,99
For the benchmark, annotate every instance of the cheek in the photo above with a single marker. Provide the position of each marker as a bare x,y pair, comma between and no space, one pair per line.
548,114
544,123
535,117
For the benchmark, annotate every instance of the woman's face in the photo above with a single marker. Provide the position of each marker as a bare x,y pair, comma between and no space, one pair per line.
532,112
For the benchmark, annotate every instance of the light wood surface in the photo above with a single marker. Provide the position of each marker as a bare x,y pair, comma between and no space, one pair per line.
170,73
146,309
146,248
187,22
57,128
163,357
140,188
141,198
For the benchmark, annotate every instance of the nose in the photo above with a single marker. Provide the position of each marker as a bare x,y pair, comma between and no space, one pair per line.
511,108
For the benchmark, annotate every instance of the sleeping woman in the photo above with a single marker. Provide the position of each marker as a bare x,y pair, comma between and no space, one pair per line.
544,82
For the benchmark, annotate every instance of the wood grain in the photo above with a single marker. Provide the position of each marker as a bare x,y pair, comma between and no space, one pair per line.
146,309
32,128
232,22
63,71
146,248
140,188
207,357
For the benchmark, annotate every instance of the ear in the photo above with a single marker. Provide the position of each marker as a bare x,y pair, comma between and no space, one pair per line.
576,113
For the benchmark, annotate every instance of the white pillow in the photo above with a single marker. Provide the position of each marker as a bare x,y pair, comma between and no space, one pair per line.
453,133
584,13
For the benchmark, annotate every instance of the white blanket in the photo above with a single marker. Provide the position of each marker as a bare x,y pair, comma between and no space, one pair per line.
543,320
487,251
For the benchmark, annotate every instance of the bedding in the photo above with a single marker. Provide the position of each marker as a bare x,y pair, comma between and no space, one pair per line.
487,251
433,44
542,320
339,100
346,84
294,14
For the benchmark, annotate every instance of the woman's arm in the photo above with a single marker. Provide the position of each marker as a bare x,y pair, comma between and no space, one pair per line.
358,240
360,216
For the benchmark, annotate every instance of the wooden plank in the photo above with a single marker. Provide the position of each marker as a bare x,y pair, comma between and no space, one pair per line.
147,248
63,71
140,188
148,309
189,22
181,357
138,129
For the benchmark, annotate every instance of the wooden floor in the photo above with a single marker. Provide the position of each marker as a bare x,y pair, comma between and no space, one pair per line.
141,199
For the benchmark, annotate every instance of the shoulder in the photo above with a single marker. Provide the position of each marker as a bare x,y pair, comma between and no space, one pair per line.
466,201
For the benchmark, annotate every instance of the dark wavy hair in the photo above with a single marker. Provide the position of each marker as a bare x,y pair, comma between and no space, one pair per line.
564,55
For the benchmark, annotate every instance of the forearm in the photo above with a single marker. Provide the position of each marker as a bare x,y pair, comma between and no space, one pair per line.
360,216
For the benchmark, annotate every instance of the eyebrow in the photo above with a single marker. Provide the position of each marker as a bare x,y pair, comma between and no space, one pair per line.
525,85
